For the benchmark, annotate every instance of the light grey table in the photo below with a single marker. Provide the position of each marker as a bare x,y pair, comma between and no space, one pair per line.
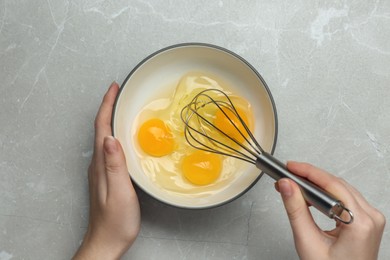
327,65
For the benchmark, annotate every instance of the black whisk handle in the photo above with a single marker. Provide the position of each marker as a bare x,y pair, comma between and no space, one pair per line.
313,194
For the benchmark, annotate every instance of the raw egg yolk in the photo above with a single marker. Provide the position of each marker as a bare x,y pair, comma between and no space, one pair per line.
229,127
155,138
201,168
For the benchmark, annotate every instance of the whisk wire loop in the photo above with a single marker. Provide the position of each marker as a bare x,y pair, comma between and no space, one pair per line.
200,131
192,135
229,104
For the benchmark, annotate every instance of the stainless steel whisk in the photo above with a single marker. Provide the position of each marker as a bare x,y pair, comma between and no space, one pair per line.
201,133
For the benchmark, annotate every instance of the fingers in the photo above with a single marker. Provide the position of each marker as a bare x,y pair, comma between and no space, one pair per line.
312,173
97,178
375,215
301,221
342,190
359,197
332,184
103,117
118,180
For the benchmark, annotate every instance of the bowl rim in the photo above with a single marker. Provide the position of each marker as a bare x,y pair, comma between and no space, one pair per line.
212,46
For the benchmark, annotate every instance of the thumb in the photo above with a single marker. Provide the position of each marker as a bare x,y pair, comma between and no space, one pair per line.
302,224
115,166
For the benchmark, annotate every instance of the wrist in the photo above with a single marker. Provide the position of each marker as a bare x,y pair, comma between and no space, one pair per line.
95,248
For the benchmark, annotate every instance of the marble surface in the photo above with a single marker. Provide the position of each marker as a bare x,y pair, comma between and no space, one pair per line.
327,64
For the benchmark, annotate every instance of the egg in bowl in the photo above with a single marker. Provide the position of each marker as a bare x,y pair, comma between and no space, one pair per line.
153,95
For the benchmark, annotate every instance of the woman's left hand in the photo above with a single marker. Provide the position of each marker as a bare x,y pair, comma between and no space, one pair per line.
114,218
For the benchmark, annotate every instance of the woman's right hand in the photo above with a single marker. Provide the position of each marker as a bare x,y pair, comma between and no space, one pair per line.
358,240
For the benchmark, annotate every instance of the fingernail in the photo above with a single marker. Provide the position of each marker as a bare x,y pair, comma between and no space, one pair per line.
110,145
113,84
285,188
276,185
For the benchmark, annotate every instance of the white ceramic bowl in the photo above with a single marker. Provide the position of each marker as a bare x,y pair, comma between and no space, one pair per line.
166,67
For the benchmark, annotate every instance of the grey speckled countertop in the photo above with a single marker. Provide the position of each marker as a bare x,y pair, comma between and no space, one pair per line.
327,64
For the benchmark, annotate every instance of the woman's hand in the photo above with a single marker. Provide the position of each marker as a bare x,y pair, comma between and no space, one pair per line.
114,218
358,240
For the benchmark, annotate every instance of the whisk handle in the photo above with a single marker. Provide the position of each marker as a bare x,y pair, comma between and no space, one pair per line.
313,194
